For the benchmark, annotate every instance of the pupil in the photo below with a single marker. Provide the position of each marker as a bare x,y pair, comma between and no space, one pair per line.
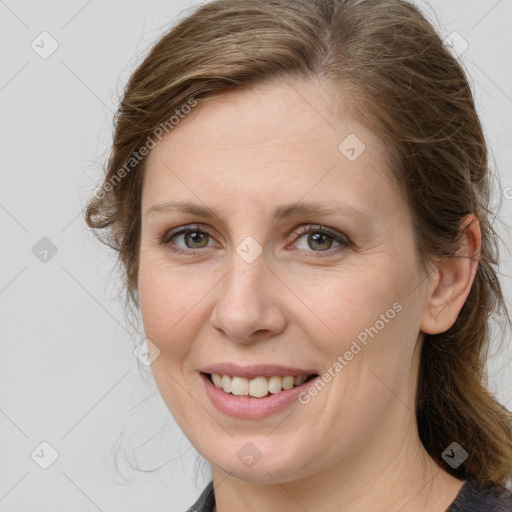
317,238
194,236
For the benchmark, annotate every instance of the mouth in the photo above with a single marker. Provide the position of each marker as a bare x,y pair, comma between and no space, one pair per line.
257,387
244,405
255,391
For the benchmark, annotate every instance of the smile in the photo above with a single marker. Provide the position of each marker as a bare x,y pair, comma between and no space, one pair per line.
254,397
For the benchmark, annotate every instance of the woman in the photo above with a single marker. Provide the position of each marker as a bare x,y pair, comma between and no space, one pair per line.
299,194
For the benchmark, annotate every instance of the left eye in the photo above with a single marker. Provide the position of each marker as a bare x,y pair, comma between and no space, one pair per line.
321,239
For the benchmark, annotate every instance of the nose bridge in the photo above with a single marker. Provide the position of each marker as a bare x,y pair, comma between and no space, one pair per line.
243,282
248,259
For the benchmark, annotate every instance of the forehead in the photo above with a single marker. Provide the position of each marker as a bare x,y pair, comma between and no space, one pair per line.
275,142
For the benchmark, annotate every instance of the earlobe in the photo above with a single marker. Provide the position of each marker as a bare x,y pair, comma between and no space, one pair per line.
453,284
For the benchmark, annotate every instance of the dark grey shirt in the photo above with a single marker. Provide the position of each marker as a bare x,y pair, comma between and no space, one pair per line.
471,498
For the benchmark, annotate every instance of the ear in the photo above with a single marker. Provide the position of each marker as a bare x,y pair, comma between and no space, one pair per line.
453,283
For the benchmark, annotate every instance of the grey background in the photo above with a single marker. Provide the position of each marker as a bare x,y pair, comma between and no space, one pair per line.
68,376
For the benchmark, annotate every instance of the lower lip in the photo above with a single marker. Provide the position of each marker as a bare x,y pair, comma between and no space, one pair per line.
248,407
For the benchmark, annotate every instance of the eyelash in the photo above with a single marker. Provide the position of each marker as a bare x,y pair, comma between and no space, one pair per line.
304,230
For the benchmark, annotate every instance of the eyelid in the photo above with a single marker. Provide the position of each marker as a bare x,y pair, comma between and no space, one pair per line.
183,229
320,228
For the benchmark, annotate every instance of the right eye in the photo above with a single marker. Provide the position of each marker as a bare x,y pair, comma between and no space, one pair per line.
187,239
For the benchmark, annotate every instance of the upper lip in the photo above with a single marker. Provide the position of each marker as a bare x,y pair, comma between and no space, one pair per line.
253,371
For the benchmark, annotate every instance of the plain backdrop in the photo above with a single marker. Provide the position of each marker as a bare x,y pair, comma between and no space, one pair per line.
68,375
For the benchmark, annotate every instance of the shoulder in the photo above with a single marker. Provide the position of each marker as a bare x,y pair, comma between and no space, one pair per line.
475,497
206,500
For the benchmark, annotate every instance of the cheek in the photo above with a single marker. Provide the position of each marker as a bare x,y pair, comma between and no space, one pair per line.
171,303
378,325
372,326
161,305
349,306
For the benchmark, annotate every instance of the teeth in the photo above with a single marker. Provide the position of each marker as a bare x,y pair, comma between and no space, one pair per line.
257,387
239,386
226,383
287,382
274,384
217,379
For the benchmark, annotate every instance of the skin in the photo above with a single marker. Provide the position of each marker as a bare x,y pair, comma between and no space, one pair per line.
355,445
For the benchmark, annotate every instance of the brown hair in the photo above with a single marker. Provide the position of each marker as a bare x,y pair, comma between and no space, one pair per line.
389,57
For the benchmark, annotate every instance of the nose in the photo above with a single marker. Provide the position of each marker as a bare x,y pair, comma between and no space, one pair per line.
249,304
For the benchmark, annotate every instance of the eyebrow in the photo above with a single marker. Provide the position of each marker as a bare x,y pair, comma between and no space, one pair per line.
280,213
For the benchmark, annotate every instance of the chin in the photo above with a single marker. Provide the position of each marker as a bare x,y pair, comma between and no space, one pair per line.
258,460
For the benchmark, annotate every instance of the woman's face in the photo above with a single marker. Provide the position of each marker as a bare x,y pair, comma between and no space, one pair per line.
250,289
